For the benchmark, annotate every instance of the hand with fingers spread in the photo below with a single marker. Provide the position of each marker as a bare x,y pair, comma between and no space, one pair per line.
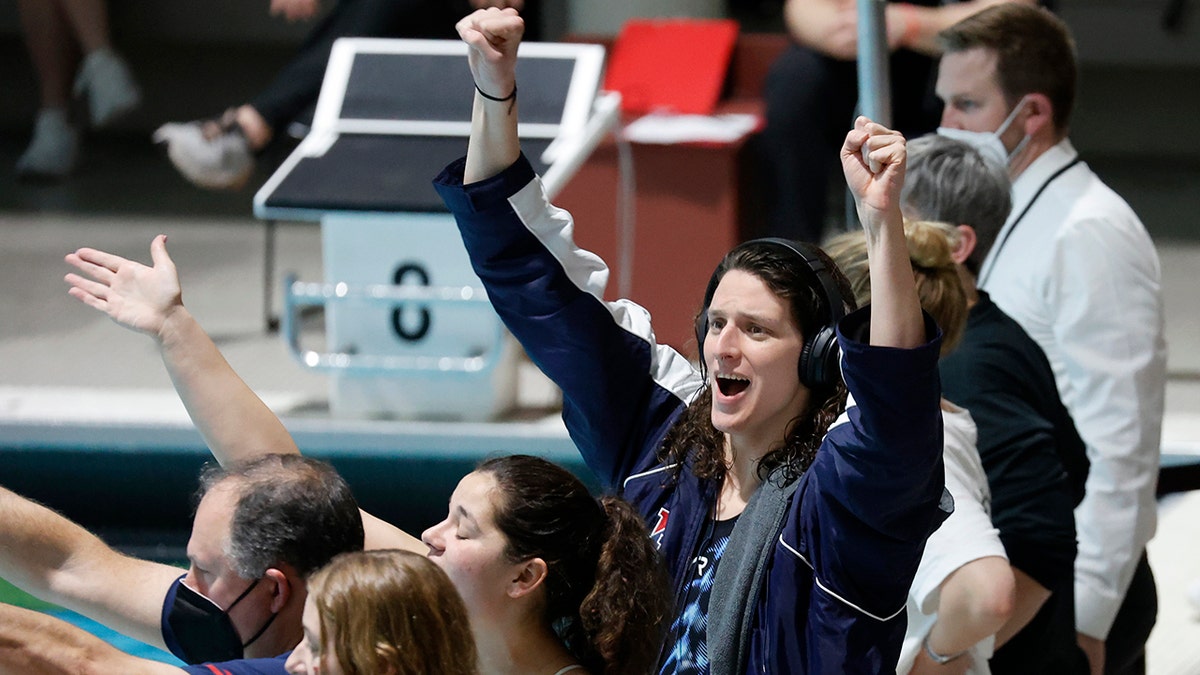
133,295
873,159
493,36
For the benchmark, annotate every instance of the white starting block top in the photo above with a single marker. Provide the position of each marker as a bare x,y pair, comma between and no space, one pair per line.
408,329
393,112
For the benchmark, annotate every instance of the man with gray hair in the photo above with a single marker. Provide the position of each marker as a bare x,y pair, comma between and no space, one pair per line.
1076,268
1035,462
260,529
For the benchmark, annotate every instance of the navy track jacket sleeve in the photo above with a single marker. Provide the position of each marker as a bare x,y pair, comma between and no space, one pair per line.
619,387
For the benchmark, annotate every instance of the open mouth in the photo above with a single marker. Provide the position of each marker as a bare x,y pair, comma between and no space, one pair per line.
731,385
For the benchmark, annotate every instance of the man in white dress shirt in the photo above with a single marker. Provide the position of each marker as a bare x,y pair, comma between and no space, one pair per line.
1075,267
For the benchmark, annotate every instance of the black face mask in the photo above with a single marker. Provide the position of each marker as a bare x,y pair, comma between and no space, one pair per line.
204,631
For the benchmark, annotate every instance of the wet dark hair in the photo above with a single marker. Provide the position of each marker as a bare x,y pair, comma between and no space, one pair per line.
694,441
607,594
290,509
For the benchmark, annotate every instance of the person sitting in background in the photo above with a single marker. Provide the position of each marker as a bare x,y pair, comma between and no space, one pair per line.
383,613
963,593
72,54
1036,463
220,153
811,90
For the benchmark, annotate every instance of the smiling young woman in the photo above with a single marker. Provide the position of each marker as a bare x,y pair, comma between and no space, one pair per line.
736,467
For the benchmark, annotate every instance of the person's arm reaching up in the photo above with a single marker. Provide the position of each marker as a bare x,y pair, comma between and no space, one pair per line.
875,181
235,423
52,558
492,37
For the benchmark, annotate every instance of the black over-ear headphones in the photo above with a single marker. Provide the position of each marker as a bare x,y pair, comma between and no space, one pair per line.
819,357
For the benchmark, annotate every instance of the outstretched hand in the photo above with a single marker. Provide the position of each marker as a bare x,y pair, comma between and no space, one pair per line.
135,296
493,36
873,159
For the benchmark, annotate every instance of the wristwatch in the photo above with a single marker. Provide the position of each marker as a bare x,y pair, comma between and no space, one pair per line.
940,659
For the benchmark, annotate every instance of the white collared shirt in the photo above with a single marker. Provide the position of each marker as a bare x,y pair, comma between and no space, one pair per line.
1080,274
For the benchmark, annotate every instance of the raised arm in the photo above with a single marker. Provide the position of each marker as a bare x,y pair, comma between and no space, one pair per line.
873,159
234,421
56,560
492,36
35,643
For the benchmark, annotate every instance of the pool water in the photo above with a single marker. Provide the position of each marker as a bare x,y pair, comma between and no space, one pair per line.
125,644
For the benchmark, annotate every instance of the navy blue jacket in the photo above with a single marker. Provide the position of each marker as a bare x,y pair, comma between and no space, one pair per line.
857,523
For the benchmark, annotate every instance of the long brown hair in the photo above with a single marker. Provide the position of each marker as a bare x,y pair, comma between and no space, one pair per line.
392,612
694,441
607,594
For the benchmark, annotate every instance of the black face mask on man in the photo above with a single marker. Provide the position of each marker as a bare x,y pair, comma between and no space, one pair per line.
203,630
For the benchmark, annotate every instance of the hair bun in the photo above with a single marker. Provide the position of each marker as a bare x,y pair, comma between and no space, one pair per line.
928,245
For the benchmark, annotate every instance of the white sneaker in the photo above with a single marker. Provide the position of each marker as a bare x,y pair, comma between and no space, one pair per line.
54,149
105,80
218,161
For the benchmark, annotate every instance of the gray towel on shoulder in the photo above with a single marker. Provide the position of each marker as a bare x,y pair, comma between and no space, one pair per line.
742,573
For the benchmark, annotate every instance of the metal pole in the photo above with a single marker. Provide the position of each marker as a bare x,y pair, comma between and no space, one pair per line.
874,81
270,320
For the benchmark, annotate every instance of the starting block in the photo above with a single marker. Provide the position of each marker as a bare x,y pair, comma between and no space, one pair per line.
409,332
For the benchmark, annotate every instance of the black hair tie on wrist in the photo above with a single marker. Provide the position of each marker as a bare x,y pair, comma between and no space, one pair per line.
493,98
